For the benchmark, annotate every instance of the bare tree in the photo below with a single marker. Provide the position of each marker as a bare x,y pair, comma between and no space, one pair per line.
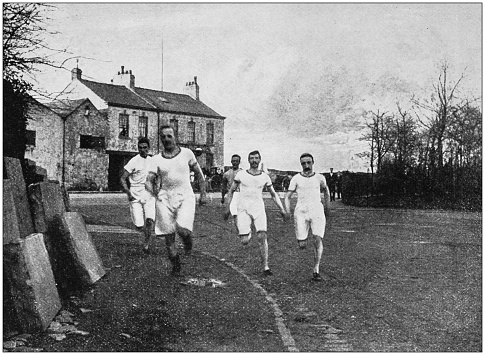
23,46
380,137
437,114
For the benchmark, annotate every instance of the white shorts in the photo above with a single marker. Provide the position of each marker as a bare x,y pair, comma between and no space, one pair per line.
233,205
172,211
143,207
244,220
306,218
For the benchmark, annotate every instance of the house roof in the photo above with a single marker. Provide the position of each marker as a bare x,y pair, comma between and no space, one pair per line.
117,95
65,107
147,99
179,103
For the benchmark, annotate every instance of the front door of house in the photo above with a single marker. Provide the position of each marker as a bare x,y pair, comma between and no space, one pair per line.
117,162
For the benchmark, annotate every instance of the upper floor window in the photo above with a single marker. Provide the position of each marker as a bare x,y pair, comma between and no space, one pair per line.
30,136
124,125
210,133
91,142
143,126
175,125
191,131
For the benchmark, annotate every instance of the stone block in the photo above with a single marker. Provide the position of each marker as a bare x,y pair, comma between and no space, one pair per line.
31,284
46,201
13,171
80,248
11,225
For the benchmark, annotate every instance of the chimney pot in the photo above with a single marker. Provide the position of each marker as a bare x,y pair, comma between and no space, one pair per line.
122,69
76,73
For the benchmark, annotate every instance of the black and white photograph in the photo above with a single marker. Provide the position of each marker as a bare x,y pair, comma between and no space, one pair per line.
242,177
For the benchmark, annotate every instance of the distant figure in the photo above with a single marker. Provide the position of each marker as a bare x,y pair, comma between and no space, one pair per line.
339,185
250,206
169,180
309,211
227,180
142,203
332,184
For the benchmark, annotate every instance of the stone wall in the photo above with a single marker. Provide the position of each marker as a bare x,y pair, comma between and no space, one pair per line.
85,165
130,144
216,148
48,127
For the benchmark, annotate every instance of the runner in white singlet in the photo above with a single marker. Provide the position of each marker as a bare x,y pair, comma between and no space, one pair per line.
309,211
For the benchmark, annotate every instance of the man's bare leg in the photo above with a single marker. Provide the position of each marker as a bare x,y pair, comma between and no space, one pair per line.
186,236
147,231
318,243
172,253
263,249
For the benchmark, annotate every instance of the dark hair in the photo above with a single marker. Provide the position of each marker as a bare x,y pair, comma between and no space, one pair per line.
254,152
165,127
144,140
236,155
304,155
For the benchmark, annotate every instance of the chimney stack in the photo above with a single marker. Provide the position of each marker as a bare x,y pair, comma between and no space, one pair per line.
192,89
125,77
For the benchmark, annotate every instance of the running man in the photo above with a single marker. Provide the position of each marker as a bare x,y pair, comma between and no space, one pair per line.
142,203
250,206
227,180
309,211
175,204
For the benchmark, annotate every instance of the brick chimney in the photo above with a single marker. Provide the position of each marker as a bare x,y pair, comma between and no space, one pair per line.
192,89
76,74
124,77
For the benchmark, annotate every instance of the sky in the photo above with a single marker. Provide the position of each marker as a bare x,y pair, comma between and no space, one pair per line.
289,77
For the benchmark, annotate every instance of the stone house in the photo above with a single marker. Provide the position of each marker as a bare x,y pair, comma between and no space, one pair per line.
101,125
44,132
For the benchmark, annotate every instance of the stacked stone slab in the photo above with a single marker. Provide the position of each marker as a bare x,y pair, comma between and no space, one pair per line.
32,289
80,247
74,258
30,293
47,202
11,219
38,267
18,190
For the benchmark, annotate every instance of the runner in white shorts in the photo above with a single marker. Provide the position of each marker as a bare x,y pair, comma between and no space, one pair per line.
309,211
227,180
250,206
142,203
169,180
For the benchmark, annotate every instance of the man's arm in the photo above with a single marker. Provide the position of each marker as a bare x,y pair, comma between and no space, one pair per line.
326,197
200,177
151,183
230,193
223,188
288,195
277,199
124,185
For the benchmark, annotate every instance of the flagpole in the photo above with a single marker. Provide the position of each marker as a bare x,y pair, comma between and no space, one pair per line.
162,63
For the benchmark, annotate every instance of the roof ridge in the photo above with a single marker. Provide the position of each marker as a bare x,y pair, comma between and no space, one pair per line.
141,97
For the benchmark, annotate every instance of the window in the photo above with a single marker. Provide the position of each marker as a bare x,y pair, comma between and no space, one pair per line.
30,136
91,142
175,125
191,131
210,133
143,126
124,125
